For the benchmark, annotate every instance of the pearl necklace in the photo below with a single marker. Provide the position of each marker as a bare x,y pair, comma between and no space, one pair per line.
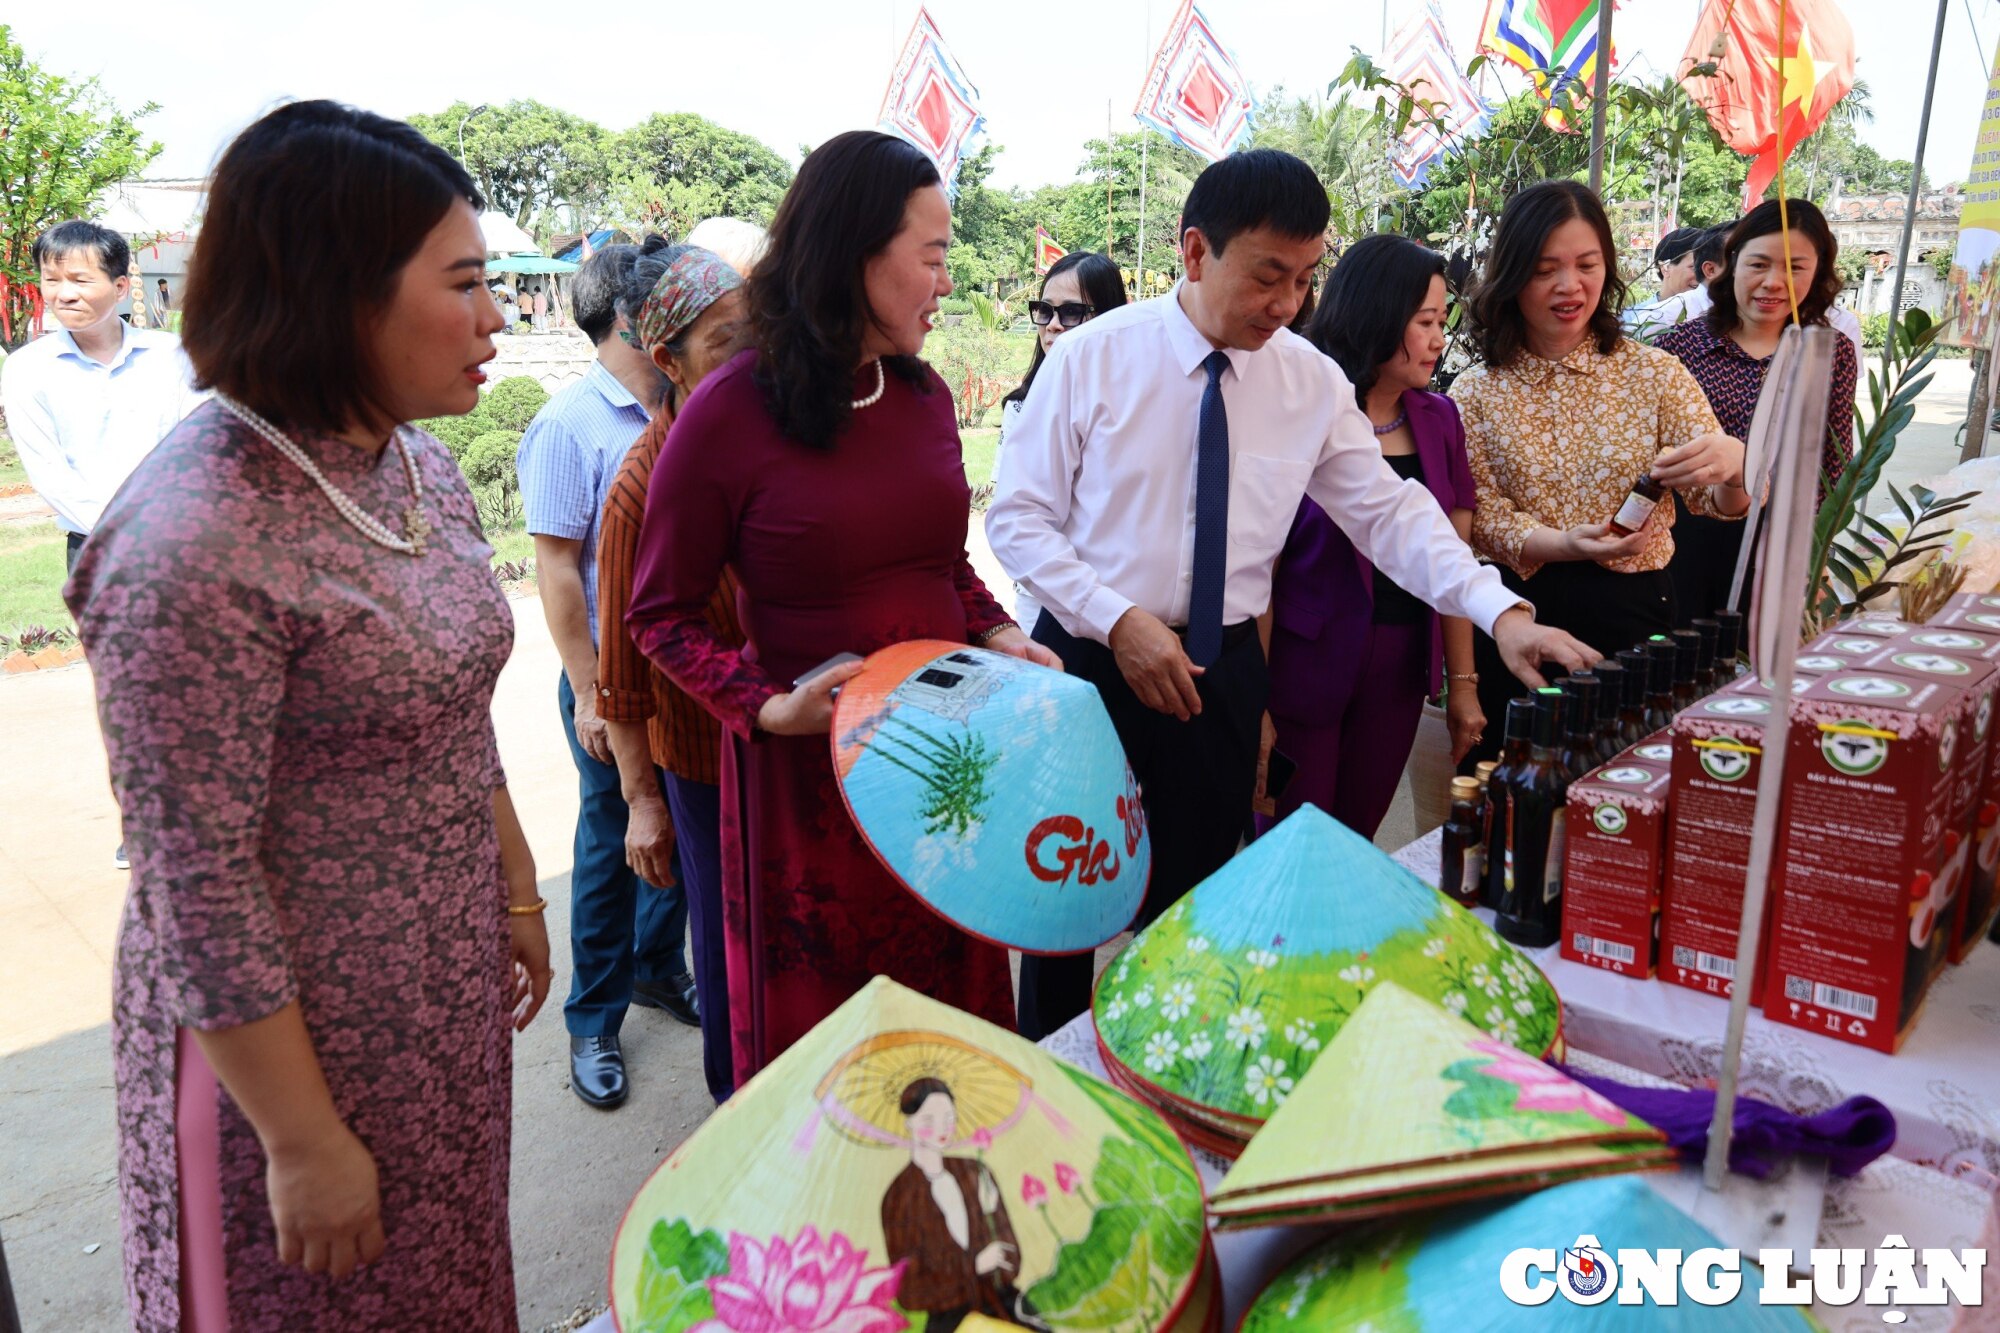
881,383
416,524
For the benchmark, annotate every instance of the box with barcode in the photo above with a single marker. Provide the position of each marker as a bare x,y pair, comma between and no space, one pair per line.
1869,786
1718,754
1612,866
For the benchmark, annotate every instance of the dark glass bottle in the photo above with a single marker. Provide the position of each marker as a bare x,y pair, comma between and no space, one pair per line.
1710,630
1638,506
1513,753
1728,643
1464,854
1610,696
1530,913
1687,657
1659,683
1579,732
1632,726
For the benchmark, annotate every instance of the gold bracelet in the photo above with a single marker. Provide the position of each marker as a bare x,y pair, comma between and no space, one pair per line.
530,909
994,633
1470,676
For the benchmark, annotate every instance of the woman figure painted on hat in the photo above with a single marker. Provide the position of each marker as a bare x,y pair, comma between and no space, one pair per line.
944,1217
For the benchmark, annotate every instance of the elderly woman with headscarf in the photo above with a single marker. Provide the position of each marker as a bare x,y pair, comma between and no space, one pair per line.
685,309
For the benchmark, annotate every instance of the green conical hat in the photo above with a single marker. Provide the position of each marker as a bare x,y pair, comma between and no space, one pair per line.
1407,1096
1227,1000
814,1184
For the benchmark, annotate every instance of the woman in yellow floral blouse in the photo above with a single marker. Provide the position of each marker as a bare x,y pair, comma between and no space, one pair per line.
1560,420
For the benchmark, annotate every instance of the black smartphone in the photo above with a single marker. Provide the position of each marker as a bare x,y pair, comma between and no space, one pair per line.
837,660
1279,771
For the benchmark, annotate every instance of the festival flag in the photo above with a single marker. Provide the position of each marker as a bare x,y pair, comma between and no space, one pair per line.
1731,69
1421,59
1194,92
931,102
1047,252
588,249
1554,41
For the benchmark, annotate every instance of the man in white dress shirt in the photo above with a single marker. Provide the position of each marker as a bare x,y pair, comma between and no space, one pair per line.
1146,491
88,401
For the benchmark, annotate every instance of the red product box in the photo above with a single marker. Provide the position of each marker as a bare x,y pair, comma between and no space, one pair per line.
1868,796
1718,755
1971,601
1613,865
1841,645
1657,750
1975,615
1963,898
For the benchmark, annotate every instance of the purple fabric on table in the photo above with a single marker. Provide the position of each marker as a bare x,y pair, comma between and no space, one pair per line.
1849,1136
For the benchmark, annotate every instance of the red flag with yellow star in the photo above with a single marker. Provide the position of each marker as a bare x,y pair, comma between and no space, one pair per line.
1731,69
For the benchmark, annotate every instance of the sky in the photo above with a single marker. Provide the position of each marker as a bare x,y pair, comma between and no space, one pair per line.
798,71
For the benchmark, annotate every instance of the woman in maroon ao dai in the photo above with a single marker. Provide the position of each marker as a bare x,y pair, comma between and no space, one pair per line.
295,633
824,467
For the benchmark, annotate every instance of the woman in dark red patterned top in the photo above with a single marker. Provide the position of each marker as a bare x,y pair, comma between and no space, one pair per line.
1729,352
824,467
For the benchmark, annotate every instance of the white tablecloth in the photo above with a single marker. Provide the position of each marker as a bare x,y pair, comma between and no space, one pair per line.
1944,1085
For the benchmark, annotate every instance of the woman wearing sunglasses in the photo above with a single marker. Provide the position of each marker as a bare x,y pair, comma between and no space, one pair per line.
1078,288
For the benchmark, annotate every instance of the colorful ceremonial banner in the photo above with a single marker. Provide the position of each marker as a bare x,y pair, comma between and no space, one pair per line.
1421,59
1047,252
1554,42
931,102
1753,112
1975,274
1194,93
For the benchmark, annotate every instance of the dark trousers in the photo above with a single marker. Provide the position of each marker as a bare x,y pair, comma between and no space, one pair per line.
1705,551
1196,780
71,550
697,812
1605,609
621,929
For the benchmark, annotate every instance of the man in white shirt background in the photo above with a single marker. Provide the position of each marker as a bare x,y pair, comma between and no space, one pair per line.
1161,458
87,401
1684,289
1674,264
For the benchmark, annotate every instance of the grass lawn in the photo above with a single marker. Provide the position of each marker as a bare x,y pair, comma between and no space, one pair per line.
31,576
514,545
11,470
981,442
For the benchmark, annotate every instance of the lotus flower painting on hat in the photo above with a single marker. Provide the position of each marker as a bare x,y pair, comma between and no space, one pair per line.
906,1165
1442,1275
996,791
1218,1008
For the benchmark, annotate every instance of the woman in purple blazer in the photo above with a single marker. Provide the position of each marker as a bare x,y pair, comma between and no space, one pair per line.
1353,656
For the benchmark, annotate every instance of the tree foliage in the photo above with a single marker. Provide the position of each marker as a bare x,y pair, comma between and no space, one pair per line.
63,142
527,158
733,173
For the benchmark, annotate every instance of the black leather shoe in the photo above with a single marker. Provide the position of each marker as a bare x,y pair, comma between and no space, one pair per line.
597,1071
675,995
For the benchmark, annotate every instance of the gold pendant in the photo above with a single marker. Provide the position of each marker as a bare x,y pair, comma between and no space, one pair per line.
416,528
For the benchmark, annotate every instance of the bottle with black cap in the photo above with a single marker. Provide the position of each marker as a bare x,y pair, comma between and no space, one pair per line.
1513,753
1579,731
1610,694
1687,659
1710,630
1728,643
1530,911
1632,703
1659,683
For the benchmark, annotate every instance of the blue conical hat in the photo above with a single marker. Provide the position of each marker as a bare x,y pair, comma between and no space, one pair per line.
1224,1002
1443,1275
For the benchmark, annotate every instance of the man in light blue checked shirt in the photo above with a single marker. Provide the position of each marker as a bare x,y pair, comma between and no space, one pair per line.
627,937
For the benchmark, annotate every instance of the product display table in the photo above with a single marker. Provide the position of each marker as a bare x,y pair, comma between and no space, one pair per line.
1944,1085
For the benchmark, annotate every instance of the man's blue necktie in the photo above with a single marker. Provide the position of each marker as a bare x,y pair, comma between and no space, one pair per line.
1211,519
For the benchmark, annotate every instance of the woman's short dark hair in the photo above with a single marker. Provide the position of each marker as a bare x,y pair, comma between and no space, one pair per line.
1525,224
808,299
312,213
1260,188
1765,220
1103,287
1372,295
923,1090
102,244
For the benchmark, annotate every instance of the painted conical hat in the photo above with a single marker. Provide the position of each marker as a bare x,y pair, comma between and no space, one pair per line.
807,1186
1224,1002
996,791
1442,1274
1408,1099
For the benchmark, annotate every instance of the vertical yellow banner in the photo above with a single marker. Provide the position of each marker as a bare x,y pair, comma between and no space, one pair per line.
1975,272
